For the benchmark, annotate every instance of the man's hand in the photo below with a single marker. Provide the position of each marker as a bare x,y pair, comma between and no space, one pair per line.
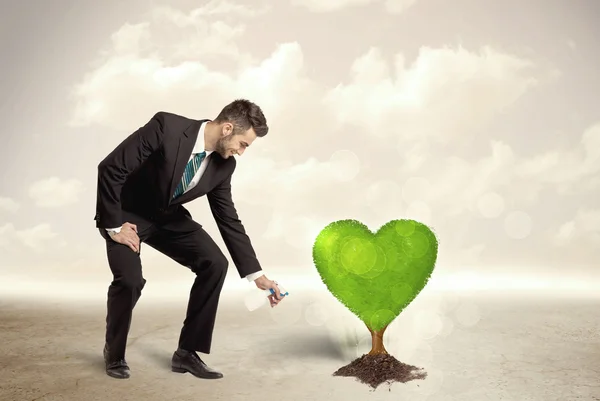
128,236
264,283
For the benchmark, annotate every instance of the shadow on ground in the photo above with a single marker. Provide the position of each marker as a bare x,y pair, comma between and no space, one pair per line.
160,358
303,345
94,360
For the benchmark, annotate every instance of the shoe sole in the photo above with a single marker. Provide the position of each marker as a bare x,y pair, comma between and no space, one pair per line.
116,376
181,370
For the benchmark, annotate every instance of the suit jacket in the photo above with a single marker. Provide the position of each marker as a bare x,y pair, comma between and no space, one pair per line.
140,175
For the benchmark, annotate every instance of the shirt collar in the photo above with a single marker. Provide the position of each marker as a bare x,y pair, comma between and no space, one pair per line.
199,146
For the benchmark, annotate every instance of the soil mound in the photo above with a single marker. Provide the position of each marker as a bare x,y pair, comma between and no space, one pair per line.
374,370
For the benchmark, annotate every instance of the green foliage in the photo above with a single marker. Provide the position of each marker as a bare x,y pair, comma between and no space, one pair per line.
375,275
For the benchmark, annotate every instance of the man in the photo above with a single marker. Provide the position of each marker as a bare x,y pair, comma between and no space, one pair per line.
142,186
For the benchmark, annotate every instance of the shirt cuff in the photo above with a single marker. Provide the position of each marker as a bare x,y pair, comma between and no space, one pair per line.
253,276
113,230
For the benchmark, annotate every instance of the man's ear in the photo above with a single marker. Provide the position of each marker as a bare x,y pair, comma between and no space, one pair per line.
227,129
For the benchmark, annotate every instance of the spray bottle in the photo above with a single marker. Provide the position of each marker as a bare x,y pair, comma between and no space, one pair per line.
255,300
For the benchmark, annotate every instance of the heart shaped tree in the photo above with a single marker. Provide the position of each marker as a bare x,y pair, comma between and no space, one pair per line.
376,276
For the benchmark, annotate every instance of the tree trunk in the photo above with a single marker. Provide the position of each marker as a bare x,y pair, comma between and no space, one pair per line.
377,347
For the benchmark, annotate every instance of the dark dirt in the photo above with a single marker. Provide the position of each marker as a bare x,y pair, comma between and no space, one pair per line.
374,370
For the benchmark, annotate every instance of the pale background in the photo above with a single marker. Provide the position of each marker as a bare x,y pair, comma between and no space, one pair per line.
478,118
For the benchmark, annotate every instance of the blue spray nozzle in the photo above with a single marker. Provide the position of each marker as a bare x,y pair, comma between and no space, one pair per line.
280,294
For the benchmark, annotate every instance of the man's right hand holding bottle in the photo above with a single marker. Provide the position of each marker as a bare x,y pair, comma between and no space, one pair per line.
264,283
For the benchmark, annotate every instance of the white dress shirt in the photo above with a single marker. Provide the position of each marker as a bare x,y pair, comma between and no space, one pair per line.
198,148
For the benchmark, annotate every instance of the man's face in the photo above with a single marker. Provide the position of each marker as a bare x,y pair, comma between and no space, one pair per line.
230,144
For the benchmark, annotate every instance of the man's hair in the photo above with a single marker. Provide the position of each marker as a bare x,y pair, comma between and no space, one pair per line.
244,114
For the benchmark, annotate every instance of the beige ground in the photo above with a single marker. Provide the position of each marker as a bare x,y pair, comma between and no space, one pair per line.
474,348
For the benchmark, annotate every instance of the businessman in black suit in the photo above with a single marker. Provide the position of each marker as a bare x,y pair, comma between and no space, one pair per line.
142,186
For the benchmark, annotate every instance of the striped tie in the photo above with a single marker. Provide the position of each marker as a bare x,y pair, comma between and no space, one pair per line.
190,171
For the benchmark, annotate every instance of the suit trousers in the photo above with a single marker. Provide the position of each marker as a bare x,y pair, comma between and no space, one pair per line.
184,241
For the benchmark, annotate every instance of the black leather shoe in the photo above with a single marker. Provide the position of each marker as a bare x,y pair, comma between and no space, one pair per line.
188,361
117,368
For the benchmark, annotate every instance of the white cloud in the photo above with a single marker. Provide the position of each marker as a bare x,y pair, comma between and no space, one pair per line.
8,205
457,185
326,6
583,230
55,192
168,64
443,94
213,8
305,197
37,238
398,6
563,168
293,186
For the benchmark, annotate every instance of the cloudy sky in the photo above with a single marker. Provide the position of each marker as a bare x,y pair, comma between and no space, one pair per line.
478,118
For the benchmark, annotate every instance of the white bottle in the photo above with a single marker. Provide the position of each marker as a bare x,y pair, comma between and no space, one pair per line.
256,299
